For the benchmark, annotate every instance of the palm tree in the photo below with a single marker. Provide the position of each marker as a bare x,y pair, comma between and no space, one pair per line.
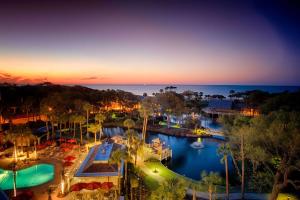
80,120
53,119
173,188
224,151
210,181
62,120
94,128
116,158
129,123
72,120
135,146
126,158
100,119
27,106
45,109
134,183
87,107
195,187
146,110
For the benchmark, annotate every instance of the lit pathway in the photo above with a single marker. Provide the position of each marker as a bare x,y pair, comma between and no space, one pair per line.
203,195
233,196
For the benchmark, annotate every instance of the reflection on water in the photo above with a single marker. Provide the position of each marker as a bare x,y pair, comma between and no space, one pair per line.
186,160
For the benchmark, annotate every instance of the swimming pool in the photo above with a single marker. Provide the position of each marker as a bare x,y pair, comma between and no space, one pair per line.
29,177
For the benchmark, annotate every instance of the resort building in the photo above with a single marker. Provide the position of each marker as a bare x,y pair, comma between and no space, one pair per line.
218,107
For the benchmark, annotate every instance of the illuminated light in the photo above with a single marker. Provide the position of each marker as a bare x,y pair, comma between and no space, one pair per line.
62,187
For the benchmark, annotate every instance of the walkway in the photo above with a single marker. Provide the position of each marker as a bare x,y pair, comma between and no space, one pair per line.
232,196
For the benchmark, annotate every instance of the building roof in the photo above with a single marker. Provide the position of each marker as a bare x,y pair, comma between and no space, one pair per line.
219,106
96,162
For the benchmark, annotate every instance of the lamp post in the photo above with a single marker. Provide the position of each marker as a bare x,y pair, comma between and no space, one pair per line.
35,152
14,179
15,152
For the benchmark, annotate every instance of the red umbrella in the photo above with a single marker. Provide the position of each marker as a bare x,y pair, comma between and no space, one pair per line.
93,186
83,185
72,141
67,164
69,158
61,139
65,149
76,187
107,185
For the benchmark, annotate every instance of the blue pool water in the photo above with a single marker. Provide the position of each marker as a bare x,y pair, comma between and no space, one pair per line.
186,160
29,177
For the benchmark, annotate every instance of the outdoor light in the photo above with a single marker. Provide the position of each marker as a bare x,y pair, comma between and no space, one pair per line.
155,170
62,187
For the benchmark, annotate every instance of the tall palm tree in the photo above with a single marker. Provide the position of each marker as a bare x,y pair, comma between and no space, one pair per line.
146,110
87,107
53,120
134,183
135,144
94,128
116,158
210,181
62,120
224,151
195,187
173,188
100,119
129,123
80,120
45,109
72,120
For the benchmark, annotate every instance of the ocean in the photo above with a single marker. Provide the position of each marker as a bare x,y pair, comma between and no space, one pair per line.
206,89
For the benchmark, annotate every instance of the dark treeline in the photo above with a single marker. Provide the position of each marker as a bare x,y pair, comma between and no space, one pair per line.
267,102
27,98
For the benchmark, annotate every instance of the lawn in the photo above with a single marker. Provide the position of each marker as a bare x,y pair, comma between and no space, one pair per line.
156,173
283,196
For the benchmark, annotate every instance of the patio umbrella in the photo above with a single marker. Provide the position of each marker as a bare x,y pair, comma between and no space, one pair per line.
65,149
61,139
107,185
93,186
67,164
69,158
75,188
72,141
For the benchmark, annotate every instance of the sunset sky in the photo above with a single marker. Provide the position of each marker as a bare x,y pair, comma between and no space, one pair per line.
175,42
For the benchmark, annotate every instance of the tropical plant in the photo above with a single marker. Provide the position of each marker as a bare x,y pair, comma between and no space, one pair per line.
277,136
94,128
146,109
169,190
80,120
237,129
117,158
129,123
45,109
100,119
87,107
224,151
210,181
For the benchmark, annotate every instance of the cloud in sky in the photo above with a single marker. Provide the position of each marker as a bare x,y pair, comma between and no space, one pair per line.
10,78
90,78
